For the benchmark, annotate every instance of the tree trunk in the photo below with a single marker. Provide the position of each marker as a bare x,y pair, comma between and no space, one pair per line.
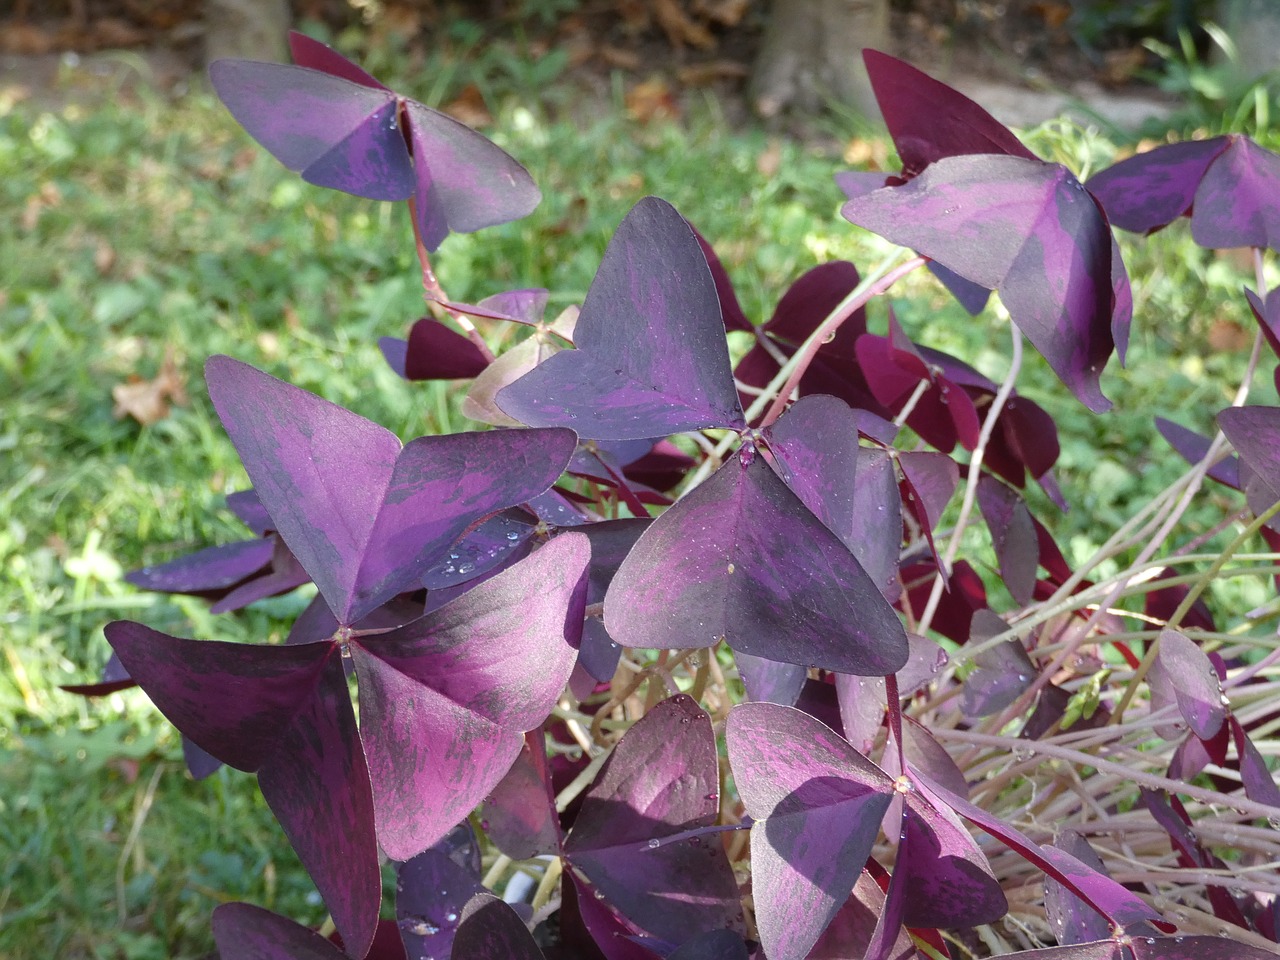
811,55
251,29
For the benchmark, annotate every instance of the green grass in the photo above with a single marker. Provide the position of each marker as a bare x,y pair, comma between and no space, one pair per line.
136,226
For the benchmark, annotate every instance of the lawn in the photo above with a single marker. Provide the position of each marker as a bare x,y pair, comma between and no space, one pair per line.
141,227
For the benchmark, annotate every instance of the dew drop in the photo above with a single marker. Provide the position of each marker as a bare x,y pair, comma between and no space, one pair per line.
512,535
451,917
654,844
419,926
466,567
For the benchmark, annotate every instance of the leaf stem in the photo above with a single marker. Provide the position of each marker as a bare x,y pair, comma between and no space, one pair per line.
434,293
971,483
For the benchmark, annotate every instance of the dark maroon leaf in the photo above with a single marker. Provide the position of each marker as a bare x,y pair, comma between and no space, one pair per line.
740,558
1000,673
519,816
651,357
490,930
1071,920
1259,785
445,700
340,128
1032,232
1013,535
431,892
309,52
363,516
246,932
433,352
817,804
317,785
929,479
925,753
661,781
964,595
730,308
1227,185
234,700
606,933
929,120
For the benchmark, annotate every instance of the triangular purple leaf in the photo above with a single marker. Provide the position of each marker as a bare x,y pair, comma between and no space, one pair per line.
234,700
661,780
1029,230
362,516
651,357
317,785
519,815
1150,190
1013,535
490,930
310,52
431,892
763,574
817,805
446,700
1071,920
247,932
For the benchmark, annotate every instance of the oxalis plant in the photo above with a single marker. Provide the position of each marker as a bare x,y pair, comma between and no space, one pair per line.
739,695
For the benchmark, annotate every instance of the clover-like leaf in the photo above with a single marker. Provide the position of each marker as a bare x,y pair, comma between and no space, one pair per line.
364,516
1029,230
340,128
651,357
491,930
632,841
1227,185
817,804
741,558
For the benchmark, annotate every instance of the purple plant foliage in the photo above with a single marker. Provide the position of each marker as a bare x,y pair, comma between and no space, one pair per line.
629,839
433,352
817,805
1030,231
491,930
431,893
330,121
364,516
651,355
1227,185
742,559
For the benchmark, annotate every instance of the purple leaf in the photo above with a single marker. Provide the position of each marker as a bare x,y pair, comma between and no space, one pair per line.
1118,905
712,945
519,815
1255,433
340,128
930,480
1000,673
497,542
200,762
945,879
206,571
284,574
850,931
740,558
929,120
434,352
877,521
651,357
1029,230
1071,920
1195,948
1227,185
364,517
817,805
1267,313
247,932
1192,447
769,680
490,930
431,892
661,781
1194,681
248,508
1259,785
310,52
445,700
1013,535
234,700
317,785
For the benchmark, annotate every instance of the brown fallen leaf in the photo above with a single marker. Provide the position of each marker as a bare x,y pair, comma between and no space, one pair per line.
705,74
148,401
651,100
726,13
470,108
619,58
680,28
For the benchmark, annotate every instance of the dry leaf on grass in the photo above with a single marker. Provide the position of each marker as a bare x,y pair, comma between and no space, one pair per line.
652,100
680,28
148,401
705,74
727,13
